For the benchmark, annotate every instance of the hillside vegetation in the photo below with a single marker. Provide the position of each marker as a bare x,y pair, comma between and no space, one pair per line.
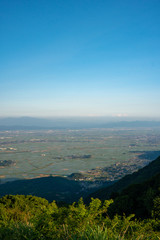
133,213
28,217
140,176
51,188
142,199
34,218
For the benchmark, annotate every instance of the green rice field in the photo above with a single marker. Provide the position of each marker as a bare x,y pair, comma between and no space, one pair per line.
62,152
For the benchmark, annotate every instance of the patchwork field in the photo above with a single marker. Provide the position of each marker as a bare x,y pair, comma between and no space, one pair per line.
30,154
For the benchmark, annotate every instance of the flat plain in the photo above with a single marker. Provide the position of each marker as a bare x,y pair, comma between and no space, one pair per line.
38,153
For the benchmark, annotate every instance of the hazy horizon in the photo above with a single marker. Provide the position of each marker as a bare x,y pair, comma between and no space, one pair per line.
80,59
108,118
31,123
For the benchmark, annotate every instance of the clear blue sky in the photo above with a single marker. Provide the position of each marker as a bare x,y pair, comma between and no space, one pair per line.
80,58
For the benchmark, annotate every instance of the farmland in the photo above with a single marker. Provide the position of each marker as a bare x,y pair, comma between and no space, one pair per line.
105,154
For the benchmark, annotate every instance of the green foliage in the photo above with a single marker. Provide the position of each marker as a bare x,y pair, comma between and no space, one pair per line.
18,231
140,199
156,208
33,218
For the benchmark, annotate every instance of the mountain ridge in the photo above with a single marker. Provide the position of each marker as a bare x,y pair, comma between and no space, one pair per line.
72,122
143,174
64,189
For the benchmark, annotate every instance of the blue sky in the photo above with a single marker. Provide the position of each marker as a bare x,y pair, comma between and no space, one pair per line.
80,58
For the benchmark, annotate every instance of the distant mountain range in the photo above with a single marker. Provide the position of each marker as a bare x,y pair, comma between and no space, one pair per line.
25,123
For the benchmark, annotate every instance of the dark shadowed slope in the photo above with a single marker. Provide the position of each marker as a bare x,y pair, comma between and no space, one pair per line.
141,199
51,188
63,189
141,175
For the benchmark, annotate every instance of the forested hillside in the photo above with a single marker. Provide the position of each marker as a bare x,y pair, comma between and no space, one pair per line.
141,175
51,188
33,218
140,199
132,214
